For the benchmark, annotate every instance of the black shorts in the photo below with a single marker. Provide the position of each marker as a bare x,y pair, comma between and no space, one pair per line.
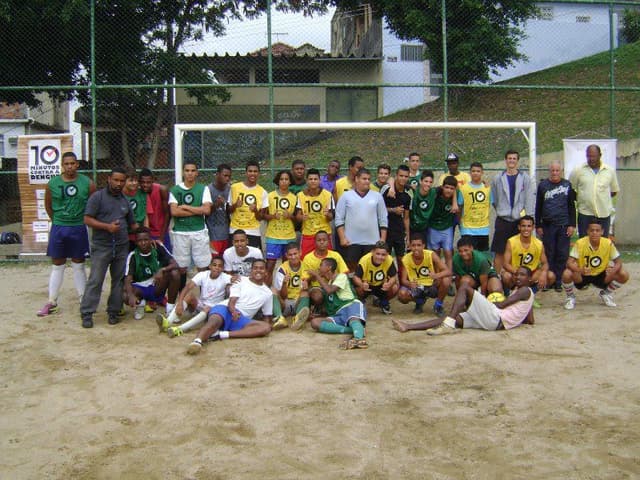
595,280
480,242
397,246
353,253
504,230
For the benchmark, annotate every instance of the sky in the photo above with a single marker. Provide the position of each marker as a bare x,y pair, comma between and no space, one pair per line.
250,35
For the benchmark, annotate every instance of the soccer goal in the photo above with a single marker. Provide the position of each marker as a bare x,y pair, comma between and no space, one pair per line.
528,130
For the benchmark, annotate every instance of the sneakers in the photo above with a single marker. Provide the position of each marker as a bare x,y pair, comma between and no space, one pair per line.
148,308
113,319
418,308
195,347
163,323
385,308
87,321
570,303
48,309
443,329
138,313
536,303
174,332
452,290
280,323
354,343
607,298
558,287
300,318
438,309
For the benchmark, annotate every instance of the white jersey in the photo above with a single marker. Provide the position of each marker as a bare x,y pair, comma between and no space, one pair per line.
241,265
251,298
212,290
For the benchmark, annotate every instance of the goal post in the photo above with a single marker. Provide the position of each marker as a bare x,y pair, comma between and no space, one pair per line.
528,129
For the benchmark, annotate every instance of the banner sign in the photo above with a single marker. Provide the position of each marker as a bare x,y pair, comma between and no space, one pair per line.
44,160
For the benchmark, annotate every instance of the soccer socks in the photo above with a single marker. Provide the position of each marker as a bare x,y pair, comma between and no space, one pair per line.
79,277
173,317
613,286
170,307
358,329
330,327
302,302
55,282
277,309
192,322
568,288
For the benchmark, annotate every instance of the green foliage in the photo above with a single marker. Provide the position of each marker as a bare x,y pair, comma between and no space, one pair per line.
631,25
482,35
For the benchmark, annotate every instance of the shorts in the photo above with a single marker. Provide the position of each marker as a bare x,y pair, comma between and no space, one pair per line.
480,242
193,245
595,280
276,251
68,242
376,291
397,246
218,247
308,244
149,292
228,323
289,309
481,314
505,229
354,311
353,253
423,292
438,239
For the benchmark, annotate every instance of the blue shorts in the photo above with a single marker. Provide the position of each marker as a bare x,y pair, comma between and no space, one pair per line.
68,242
149,292
276,251
353,311
228,323
440,239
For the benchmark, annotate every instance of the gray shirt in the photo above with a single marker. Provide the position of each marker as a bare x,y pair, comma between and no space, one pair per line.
218,220
524,196
362,216
107,208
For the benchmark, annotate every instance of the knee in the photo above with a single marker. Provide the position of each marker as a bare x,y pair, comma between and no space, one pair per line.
404,296
315,323
265,329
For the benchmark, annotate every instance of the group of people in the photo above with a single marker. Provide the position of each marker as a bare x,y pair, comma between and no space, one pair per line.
319,244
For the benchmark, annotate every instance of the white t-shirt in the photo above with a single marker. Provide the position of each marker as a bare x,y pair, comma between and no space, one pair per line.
211,289
251,298
242,265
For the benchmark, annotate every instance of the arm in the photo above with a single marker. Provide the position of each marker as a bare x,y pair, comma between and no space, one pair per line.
544,268
521,294
92,222
572,211
538,216
183,294
128,287
529,320
506,264
164,205
441,268
48,204
235,313
92,188
530,198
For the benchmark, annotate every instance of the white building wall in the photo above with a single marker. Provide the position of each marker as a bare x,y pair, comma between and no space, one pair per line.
573,32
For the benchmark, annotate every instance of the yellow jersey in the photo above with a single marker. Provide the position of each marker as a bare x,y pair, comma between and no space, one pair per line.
376,275
314,207
529,257
476,205
243,217
419,273
343,184
597,259
312,262
293,285
462,177
282,228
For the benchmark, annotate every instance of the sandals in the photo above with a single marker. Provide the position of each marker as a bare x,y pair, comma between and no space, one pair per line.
353,343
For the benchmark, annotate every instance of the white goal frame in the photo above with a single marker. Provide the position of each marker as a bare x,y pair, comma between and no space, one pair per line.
528,129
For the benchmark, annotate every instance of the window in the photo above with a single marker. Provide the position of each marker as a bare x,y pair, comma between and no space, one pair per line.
412,53
545,13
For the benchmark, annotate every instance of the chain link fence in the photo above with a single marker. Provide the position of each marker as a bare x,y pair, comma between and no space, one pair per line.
118,76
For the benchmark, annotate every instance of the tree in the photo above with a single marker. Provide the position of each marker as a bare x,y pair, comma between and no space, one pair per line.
631,25
482,35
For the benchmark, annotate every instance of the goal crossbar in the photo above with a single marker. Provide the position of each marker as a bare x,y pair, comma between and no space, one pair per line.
528,129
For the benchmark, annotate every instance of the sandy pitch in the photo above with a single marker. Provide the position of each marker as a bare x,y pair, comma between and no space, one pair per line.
557,400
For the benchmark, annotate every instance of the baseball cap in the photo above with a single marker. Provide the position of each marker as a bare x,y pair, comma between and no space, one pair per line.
452,157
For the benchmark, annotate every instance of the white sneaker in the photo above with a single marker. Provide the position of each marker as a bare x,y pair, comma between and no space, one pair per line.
570,303
443,329
607,298
138,313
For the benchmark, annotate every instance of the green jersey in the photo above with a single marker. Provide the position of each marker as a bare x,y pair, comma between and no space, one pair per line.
480,265
414,182
192,197
69,199
340,298
138,202
441,217
421,209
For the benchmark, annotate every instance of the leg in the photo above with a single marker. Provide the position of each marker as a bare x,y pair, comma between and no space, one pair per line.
116,269
79,275
252,330
100,261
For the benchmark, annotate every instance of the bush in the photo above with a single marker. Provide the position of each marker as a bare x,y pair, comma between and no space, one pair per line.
631,25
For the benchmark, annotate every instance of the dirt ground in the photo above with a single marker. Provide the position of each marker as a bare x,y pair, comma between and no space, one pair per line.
560,399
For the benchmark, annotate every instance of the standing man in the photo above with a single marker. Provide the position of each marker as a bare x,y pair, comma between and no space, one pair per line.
246,202
556,219
157,207
453,163
298,174
328,180
414,171
138,201
398,210
190,202
361,219
218,220
109,214
596,184
382,178
65,200
513,191
314,210
475,199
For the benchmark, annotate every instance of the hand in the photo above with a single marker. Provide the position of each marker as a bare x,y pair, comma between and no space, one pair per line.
455,209
238,203
313,273
570,231
539,232
235,278
235,314
366,287
114,226
179,309
345,242
285,279
133,301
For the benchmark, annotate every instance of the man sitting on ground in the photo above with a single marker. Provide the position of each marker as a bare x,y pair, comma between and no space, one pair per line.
238,258
233,318
345,313
287,301
471,309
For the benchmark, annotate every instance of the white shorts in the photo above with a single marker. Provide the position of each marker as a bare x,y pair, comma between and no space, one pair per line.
481,314
192,245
